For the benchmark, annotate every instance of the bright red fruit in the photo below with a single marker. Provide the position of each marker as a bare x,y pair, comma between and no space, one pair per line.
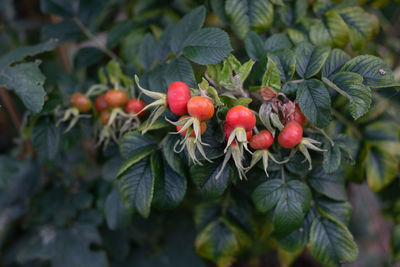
100,103
134,106
203,127
105,116
228,130
291,135
299,116
81,102
116,98
177,97
262,140
201,108
241,116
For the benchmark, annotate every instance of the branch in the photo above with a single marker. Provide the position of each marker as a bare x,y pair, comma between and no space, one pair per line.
93,38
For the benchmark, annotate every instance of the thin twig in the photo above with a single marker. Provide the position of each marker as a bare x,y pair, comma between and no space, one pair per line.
348,123
11,109
93,38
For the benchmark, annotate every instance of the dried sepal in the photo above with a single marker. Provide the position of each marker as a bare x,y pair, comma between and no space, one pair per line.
238,135
190,144
308,143
159,105
72,115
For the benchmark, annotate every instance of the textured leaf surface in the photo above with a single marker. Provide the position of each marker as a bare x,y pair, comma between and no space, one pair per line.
27,81
375,72
332,186
356,92
310,59
315,102
191,22
207,46
136,186
331,243
204,178
331,30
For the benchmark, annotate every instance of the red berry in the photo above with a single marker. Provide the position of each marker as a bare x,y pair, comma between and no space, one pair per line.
291,135
299,116
240,116
201,108
177,97
203,127
262,140
116,98
81,102
100,103
105,116
228,130
134,106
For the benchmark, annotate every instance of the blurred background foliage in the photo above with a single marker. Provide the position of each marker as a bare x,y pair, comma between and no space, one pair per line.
68,197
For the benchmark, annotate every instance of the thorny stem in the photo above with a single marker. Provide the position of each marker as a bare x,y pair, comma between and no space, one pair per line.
295,81
93,38
225,203
348,123
283,174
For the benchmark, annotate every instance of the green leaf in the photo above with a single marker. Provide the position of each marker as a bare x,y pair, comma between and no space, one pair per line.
136,186
169,186
179,69
381,168
218,7
164,43
298,238
118,31
87,56
254,46
288,215
331,243
292,200
27,81
297,36
277,42
331,30
204,178
272,76
351,86
116,214
174,160
361,25
237,13
375,72
146,51
332,158
293,12
207,46
261,15
134,147
285,61
315,102
266,195
46,139
243,15
191,22
61,32
74,242
395,243
22,52
332,186
63,8
336,59
310,59
341,210
220,241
